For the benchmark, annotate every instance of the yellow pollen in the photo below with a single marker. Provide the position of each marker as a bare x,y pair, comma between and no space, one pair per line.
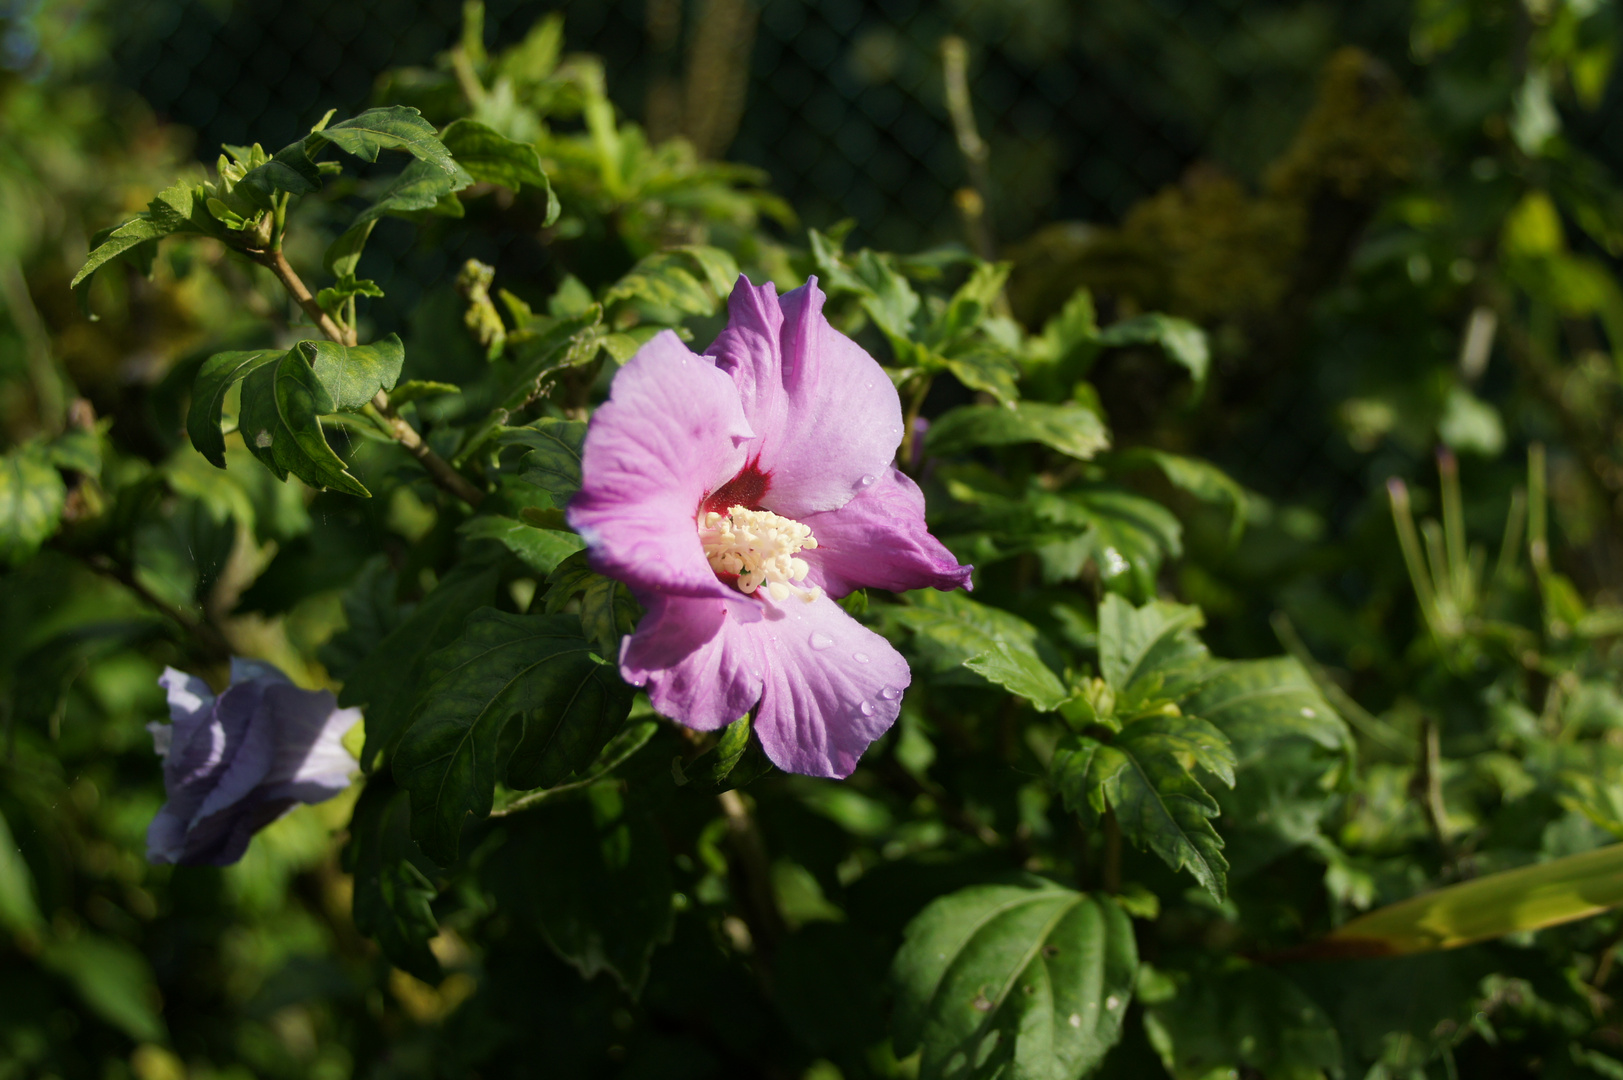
759,547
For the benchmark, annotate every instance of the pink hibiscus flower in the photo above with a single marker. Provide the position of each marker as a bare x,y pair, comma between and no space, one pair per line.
738,494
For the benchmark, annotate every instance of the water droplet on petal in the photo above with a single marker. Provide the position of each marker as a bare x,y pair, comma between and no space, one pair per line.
821,641
861,657
868,481
866,708
889,693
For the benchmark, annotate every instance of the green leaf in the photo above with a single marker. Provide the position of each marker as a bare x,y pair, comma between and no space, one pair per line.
214,380
983,367
281,403
31,499
1512,901
1070,334
1256,702
393,899
394,127
1144,774
972,302
887,297
687,280
1069,428
735,760
334,297
137,230
541,549
1142,650
371,614
18,911
1183,341
501,665
594,874
1026,980
420,390
290,170
567,343
180,208
76,450
353,374
1201,479
554,461
493,158
386,681
1245,1021
586,705
953,630
1128,536
113,980
420,187
176,209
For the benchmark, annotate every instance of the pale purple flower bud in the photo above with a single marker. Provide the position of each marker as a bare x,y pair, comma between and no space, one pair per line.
235,763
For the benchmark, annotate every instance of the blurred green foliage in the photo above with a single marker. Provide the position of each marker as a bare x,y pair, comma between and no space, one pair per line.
1088,846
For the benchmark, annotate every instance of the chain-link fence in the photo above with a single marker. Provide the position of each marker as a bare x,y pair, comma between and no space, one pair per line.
1086,107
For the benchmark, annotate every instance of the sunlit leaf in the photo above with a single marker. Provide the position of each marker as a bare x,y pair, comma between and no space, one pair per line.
31,500
1069,428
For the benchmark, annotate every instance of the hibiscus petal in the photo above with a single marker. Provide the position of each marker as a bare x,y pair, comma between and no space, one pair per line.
826,417
250,734
221,839
697,659
831,687
309,753
671,431
879,540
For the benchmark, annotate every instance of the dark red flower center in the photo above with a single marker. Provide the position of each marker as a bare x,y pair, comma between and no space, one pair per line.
747,489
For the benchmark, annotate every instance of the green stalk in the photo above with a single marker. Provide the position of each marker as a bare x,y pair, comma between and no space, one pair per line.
1510,545
1409,541
1538,545
1459,564
1437,557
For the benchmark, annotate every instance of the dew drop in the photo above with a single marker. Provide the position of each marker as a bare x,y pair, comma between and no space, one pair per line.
821,641
889,693
1076,1020
1112,1002
868,481
866,708
861,657
1309,713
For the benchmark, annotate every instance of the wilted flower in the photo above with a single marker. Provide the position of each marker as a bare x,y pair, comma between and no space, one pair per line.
235,763
737,493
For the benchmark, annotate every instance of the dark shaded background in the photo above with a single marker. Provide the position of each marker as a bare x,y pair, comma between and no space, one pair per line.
844,109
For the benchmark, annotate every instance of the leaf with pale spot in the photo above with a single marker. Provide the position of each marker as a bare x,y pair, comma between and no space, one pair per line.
214,380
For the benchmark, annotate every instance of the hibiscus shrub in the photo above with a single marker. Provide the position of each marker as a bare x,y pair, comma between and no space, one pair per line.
727,653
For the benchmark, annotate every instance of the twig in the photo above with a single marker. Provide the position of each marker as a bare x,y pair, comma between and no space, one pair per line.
909,433
754,875
439,470
974,201
211,642
1429,784
277,263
